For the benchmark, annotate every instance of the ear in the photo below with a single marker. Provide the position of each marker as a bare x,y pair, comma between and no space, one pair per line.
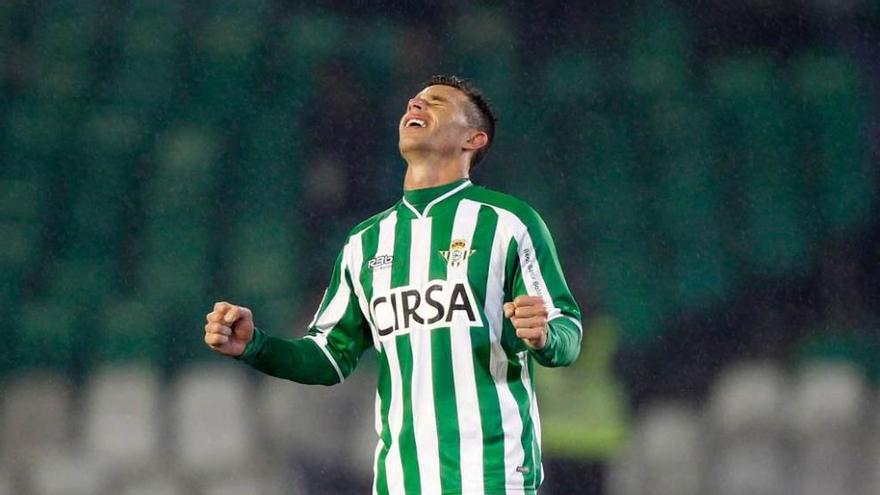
476,140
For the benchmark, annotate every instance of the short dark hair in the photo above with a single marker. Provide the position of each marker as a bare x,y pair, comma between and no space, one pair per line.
479,115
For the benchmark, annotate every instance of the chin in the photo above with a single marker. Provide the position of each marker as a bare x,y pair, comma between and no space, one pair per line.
407,144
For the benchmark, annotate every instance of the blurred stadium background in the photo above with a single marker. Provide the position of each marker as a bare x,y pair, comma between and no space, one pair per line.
707,169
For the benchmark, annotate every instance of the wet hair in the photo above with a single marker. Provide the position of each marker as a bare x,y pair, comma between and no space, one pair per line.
479,113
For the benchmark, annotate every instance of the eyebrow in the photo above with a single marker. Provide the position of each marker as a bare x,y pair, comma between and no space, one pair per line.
437,98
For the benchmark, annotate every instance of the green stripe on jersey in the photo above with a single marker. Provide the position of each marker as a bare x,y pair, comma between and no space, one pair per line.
445,407
406,440
490,409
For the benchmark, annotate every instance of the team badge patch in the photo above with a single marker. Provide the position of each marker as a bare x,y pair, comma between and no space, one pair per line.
458,252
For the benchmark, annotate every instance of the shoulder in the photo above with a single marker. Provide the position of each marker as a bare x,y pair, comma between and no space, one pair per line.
371,222
507,204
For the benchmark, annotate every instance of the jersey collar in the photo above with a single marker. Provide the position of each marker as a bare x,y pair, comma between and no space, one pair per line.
439,193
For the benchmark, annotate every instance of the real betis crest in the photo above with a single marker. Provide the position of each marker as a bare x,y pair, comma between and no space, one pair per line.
458,252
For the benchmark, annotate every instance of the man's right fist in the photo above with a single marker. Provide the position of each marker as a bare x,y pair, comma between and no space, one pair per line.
229,328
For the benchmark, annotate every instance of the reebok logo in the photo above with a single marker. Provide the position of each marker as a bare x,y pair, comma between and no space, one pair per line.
380,262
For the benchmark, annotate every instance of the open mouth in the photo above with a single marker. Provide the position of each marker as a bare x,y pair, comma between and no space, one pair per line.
414,122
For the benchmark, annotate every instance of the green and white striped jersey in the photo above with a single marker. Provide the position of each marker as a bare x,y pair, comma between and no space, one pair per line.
424,283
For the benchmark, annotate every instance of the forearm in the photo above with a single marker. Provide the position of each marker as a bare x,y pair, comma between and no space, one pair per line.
298,360
563,344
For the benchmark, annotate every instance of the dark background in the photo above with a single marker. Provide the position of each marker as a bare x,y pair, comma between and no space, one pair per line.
707,170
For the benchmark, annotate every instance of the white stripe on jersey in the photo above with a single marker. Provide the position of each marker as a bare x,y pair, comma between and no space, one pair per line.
529,266
356,254
424,417
533,410
514,455
467,402
335,310
381,284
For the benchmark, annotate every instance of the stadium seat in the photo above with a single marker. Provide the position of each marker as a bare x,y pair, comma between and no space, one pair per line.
36,417
747,396
127,333
178,206
121,427
45,334
670,449
20,223
6,485
65,473
160,483
80,282
624,473
37,130
745,413
262,257
252,483
688,201
212,424
61,43
309,37
749,467
831,93
110,132
827,414
659,44
19,244
297,419
772,230
226,44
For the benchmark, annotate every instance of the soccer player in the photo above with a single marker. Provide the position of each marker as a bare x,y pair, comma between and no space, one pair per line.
459,290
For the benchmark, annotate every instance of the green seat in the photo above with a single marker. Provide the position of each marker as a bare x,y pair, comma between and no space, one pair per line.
129,331
305,40
227,43
308,38
20,199
574,79
61,45
20,244
187,150
82,283
36,130
630,291
45,335
659,50
263,258
108,133
769,222
147,73
376,53
483,30
688,203
832,96
173,279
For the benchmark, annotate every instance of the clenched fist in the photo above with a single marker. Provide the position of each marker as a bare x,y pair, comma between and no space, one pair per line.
229,328
529,316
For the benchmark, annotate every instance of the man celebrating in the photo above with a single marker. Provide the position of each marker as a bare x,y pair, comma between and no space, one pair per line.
459,290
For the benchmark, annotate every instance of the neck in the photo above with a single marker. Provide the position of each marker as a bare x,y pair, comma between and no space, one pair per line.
432,171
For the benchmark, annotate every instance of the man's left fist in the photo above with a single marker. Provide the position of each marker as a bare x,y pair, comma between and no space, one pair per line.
529,316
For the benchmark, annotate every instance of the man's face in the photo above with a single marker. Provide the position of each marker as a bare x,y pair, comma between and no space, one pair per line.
435,120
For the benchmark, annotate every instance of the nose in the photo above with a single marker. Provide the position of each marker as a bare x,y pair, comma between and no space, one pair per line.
415,103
